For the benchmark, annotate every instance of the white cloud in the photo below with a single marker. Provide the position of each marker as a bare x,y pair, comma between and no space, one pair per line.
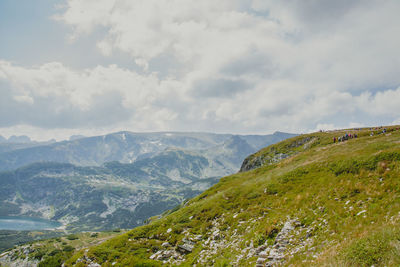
233,66
386,103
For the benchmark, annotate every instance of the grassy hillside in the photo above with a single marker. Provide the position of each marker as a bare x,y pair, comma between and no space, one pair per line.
309,202
54,251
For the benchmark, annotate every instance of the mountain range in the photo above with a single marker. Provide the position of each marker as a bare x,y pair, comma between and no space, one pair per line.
125,147
118,180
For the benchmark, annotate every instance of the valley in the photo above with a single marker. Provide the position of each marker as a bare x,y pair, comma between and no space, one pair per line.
163,170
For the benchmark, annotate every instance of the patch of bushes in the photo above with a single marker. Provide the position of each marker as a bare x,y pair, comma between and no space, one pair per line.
271,231
253,195
293,175
354,166
260,239
38,254
54,261
94,235
346,166
376,249
68,248
72,237
54,252
272,189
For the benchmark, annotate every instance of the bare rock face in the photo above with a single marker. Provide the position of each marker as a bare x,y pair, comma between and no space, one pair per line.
252,162
272,156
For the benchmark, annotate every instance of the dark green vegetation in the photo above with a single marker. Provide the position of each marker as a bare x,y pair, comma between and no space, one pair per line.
54,251
10,238
335,204
379,248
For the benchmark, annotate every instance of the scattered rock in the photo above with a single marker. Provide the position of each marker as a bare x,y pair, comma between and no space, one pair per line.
278,252
165,244
361,212
185,248
198,237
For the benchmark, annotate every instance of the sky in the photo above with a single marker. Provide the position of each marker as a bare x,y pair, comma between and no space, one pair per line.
230,66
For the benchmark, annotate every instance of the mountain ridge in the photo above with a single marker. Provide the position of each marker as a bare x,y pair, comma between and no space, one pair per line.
122,146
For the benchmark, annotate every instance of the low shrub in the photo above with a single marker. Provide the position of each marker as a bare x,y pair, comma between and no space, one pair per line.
72,237
376,249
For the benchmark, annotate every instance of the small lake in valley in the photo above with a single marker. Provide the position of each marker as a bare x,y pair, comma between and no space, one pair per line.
26,223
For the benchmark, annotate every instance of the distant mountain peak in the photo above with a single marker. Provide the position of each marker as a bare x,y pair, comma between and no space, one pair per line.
76,137
19,139
282,133
234,141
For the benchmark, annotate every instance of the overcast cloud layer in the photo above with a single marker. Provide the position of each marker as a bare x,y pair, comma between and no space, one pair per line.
219,66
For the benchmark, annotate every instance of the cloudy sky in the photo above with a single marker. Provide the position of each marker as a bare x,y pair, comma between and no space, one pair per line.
239,66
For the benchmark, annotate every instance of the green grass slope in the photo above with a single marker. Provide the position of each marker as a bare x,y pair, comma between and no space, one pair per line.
53,251
321,204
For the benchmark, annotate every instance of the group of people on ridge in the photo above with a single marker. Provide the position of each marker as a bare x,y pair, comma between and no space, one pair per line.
380,130
344,137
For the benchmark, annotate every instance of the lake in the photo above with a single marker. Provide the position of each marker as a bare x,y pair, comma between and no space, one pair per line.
26,223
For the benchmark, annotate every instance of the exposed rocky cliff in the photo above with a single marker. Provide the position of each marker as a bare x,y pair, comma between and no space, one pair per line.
274,154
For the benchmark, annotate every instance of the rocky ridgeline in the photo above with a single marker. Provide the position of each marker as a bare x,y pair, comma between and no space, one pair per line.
255,161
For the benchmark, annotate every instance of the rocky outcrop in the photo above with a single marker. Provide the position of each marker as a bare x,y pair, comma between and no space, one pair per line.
175,254
272,156
274,255
287,243
254,162
186,246
166,255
